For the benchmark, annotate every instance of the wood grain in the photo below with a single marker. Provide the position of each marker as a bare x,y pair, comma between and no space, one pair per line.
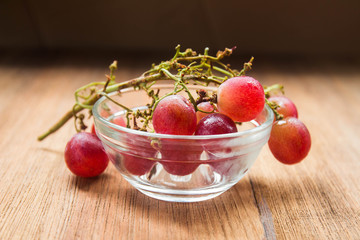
40,199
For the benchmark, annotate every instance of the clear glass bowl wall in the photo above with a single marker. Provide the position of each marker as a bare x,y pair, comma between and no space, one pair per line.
178,168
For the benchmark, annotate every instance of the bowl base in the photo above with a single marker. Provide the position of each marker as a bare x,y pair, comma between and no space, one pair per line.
180,198
178,195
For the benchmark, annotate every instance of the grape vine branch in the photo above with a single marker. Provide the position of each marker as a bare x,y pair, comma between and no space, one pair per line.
184,68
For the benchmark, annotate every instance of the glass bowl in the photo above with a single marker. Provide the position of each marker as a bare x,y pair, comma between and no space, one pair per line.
178,168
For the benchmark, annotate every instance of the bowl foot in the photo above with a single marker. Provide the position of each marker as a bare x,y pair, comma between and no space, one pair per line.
177,195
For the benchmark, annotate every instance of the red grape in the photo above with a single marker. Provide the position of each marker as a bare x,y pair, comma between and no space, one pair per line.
204,106
138,165
137,160
93,129
241,98
180,158
215,123
225,163
108,109
290,140
85,155
286,107
118,120
174,115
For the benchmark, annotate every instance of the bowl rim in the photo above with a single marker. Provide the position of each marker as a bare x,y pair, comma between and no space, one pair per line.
262,127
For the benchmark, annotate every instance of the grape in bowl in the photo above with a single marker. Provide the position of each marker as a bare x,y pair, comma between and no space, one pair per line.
178,168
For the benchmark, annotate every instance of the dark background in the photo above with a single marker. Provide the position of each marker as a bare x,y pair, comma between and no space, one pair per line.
276,29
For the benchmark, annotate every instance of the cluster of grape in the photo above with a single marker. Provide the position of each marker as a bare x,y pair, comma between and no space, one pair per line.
239,99
290,139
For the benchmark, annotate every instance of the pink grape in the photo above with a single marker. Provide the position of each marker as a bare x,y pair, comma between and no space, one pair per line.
174,115
290,140
241,98
85,155
286,107
119,120
204,106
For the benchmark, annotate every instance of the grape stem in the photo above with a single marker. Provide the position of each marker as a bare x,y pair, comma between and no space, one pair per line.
189,66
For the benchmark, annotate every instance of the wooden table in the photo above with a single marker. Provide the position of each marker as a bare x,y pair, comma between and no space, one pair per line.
40,199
